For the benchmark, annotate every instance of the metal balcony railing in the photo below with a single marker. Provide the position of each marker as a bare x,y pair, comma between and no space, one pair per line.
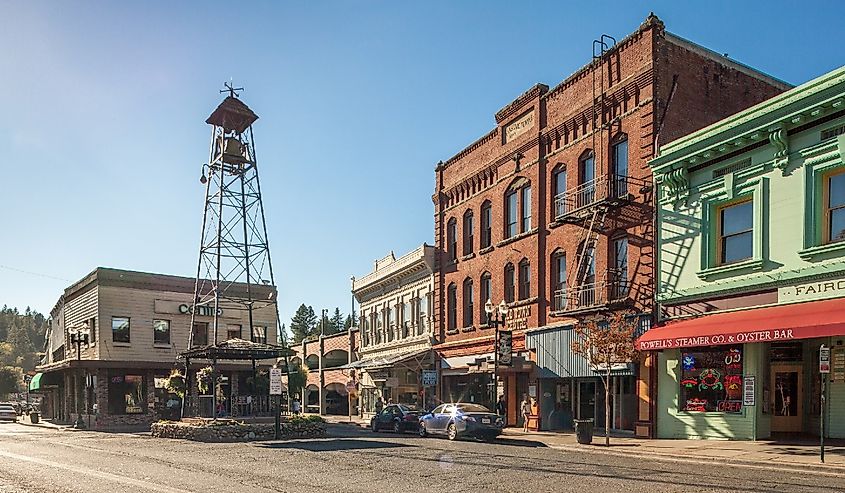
590,295
603,188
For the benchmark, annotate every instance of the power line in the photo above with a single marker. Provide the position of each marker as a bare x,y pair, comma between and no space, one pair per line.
33,273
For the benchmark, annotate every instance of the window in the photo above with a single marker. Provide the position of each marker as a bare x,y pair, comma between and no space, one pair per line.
406,318
391,317
587,167
526,209
423,313
452,238
233,331
259,333
509,281
120,329
587,190
559,280
510,218
711,380
92,329
558,191
524,279
452,307
619,162
200,334
619,289
468,233
161,331
736,233
127,394
834,211
486,222
468,303
486,294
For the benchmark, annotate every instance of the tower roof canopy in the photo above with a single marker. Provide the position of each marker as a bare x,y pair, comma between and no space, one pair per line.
233,115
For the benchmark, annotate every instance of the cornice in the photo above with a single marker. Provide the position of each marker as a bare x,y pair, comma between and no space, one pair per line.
517,104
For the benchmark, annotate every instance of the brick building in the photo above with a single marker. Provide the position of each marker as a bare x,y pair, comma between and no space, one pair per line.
325,358
552,212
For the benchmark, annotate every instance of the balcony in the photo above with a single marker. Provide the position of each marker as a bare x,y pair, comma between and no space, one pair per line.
585,297
611,190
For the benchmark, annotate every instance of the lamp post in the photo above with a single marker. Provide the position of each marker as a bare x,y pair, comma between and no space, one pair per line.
79,337
495,318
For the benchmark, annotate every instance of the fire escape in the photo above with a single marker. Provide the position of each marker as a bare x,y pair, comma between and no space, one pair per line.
594,205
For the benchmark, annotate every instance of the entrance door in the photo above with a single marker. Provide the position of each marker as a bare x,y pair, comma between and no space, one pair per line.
787,384
586,400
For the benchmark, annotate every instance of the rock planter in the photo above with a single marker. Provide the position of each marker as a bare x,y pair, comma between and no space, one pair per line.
235,431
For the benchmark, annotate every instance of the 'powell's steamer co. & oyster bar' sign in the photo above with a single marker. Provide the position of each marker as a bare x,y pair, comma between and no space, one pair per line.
776,323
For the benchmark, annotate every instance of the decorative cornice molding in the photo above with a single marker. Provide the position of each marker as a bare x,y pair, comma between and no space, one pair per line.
517,104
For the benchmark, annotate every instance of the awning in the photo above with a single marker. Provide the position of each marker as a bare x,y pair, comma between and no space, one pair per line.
35,383
777,323
383,361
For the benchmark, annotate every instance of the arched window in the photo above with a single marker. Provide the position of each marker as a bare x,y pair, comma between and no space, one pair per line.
509,282
468,302
469,237
619,164
486,224
452,238
619,261
452,307
524,279
558,191
518,207
559,279
486,294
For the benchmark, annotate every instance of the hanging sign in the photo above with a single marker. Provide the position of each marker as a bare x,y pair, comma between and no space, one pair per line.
429,378
504,348
275,381
748,390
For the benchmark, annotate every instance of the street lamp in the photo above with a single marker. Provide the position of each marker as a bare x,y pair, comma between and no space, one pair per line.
495,318
79,336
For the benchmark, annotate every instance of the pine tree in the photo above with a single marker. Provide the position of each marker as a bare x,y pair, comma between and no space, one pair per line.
303,323
351,321
335,323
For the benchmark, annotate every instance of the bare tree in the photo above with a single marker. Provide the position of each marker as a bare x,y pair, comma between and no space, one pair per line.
605,343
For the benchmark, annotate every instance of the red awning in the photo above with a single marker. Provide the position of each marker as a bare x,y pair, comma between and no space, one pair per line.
777,323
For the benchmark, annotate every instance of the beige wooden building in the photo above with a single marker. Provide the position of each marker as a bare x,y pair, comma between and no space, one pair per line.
395,323
136,325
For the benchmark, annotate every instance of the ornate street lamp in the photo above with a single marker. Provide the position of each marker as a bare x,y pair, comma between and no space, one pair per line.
80,336
495,318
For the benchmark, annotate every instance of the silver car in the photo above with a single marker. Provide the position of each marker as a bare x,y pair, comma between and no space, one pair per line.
461,419
7,412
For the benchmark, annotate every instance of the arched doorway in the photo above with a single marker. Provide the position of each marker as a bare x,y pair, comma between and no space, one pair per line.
337,399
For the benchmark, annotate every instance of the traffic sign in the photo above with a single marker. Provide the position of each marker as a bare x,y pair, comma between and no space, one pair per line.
824,359
429,378
275,381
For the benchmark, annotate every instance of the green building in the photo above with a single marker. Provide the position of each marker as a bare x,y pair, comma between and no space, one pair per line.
751,278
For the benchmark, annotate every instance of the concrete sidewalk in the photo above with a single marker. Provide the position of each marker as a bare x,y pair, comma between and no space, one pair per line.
774,453
26,421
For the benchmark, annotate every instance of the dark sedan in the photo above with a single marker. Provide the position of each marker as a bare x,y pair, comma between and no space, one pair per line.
397,417
462,419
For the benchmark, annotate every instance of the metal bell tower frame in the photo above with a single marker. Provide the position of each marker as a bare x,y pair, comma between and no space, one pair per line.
234,254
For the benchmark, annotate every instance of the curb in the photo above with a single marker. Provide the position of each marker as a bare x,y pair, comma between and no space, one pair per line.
47,427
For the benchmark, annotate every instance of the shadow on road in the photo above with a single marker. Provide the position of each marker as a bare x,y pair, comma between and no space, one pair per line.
333,445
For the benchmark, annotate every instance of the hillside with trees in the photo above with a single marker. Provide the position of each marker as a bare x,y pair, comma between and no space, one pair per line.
21,343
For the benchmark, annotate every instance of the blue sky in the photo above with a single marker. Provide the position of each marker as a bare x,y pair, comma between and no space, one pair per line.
102,110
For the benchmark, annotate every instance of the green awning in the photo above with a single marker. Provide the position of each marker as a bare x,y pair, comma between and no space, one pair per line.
35,383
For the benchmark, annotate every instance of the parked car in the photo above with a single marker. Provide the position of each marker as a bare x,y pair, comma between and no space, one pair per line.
461,419
397,417
7,412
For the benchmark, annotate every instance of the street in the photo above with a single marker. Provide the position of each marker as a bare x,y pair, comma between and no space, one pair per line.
352,459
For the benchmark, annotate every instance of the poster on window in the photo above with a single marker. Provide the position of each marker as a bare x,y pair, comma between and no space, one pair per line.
711,380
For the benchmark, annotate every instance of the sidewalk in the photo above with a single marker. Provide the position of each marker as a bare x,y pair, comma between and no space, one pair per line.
26,421
773,453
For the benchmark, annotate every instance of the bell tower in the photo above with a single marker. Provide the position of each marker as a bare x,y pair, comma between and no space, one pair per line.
234,265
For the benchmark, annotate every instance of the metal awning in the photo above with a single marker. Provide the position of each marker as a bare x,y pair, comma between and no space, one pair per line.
384,361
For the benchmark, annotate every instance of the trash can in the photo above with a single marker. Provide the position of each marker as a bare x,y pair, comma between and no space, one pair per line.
34,417
584,430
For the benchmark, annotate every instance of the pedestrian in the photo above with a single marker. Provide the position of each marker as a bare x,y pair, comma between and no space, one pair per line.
297,407
379,405
526,411
502,407
390,401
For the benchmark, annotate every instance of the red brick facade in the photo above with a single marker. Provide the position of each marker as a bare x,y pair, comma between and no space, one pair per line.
652,87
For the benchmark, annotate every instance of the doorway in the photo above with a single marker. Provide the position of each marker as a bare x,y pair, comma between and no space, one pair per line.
787,384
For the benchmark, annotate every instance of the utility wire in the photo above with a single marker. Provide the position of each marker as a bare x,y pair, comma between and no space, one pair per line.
33,273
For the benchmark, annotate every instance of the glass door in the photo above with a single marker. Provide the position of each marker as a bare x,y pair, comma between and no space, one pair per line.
787,409
586,399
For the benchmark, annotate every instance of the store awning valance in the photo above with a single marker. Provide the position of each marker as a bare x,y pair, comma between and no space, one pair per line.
384,361
35,383
771,324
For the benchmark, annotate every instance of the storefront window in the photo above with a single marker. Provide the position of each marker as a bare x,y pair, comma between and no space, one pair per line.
127,394
120,329
711,380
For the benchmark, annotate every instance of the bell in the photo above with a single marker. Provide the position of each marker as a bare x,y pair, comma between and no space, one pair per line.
234,152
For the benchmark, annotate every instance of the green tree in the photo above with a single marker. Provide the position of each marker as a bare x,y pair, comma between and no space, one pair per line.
351,321
335,323
22,348
303,323
10,379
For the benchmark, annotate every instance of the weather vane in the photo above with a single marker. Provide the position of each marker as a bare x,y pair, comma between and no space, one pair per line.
233,91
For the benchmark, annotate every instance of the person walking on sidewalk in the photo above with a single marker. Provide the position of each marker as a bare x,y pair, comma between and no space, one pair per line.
502,408
525,408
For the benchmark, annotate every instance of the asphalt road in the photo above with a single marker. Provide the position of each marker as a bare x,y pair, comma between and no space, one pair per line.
352,460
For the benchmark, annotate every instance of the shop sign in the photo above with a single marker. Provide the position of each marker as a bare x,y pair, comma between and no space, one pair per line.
837,365
202,310
504,348
821,290
275,381
518,317
429,378
748,390
519,126
824,359
720,339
